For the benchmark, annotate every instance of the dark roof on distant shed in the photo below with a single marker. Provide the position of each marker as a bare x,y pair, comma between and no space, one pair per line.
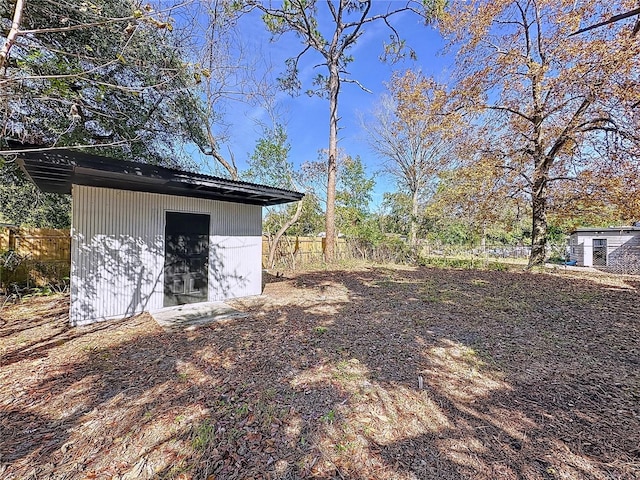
620,229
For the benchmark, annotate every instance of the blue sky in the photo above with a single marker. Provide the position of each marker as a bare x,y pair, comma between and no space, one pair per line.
307,117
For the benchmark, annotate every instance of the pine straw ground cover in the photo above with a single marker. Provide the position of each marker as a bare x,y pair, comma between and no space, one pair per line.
380,373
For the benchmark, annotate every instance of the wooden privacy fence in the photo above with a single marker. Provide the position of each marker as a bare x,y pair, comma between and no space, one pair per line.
293,251
38,243
52,245
37,255
43,255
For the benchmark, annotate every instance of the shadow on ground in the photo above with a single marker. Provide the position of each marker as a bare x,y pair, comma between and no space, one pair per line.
377,373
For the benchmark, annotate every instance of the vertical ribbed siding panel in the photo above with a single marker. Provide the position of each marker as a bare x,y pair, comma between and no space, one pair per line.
573,248
76,263
118,250
235,253
623,251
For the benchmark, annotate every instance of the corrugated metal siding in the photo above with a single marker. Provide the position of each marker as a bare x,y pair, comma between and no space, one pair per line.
117,253
623,250
576,252
623,253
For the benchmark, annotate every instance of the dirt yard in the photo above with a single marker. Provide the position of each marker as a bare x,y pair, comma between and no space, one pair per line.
378,373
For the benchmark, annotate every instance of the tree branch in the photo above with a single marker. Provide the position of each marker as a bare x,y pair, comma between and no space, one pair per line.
564,136
332,9
281,231
351,80
13,33
518,171
70,28
510,110
47,149
573,179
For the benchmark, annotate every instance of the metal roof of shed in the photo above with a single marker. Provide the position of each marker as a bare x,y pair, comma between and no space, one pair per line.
56,170
623,228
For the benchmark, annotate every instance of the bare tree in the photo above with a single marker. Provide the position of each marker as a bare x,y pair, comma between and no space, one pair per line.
224,73
412,132
270,164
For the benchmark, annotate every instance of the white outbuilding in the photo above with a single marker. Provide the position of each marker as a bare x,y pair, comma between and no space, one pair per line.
145,237
615,249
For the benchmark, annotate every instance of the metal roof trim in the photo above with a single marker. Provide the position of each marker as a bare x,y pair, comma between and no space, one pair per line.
626,228
55,171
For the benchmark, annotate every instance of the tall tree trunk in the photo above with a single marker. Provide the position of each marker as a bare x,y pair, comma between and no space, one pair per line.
413,225
330,218
539,218
274,245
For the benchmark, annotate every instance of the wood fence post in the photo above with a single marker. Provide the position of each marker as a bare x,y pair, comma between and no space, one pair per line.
12,239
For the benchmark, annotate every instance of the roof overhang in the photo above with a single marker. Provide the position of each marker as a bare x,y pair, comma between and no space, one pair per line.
56,171
604,230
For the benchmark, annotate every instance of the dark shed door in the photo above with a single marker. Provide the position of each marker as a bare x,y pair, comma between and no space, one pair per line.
599,252
186,256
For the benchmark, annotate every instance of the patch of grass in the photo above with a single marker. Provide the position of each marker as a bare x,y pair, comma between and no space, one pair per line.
342,365
204,434
367,430
342,447
40,292
328,417
320,329
472,358
269,393
431,293
89,348
498,266
347,371
242,410
587,297
445,262
384,283
266,412
177,470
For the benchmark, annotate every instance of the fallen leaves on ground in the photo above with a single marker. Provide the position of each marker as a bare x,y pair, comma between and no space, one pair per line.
380,372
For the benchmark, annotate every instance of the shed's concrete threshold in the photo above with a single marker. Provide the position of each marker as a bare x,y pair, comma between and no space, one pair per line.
192,315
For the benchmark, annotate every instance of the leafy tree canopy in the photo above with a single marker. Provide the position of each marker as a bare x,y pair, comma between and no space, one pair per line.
22,203
551,105
106,74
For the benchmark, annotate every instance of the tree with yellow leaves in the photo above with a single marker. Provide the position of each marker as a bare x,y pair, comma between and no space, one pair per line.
413,131
547,96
